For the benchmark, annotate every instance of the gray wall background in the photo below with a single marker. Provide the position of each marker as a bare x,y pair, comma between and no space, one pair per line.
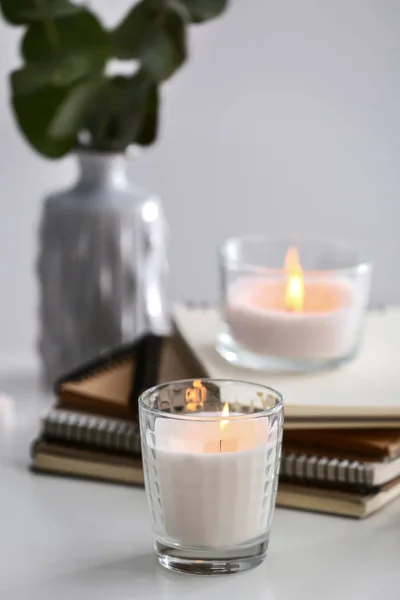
286,118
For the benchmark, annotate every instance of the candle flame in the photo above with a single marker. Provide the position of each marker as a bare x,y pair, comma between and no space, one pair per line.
224,422
294,295
195,396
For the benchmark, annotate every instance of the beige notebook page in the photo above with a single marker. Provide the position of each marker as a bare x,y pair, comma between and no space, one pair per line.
367,387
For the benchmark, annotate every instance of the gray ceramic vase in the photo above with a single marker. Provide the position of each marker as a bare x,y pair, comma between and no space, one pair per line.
102,265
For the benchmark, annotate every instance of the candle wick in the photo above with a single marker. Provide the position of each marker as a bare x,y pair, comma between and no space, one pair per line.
220,445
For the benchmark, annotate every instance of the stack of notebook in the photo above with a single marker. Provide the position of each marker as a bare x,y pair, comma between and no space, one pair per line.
92,431
341,448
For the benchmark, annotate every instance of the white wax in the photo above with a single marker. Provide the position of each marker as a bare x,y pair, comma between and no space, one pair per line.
213,499
327,328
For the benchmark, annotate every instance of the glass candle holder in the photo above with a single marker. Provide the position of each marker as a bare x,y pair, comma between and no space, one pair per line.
211,452
291,303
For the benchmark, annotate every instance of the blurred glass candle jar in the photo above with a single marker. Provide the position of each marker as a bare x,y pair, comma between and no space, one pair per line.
291,303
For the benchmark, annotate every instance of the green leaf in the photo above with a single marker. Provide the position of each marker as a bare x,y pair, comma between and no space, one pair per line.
32,77
203,10
34,113
126,113
80,38
155,35
100,116
71,115
130,35
22,12
78,48
127,108
149,126
131,96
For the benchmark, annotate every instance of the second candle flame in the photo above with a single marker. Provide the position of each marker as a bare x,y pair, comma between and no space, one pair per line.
294,295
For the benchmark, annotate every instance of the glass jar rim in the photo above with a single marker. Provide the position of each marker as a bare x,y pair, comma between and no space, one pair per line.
361,266
196,416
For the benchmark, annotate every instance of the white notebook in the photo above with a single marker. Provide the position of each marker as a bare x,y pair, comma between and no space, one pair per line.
363,393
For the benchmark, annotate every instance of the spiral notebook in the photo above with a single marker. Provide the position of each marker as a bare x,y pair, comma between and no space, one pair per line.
91,431
337,472
364,393
102,434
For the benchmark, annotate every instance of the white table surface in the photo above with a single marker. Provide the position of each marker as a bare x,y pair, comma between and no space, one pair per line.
68,539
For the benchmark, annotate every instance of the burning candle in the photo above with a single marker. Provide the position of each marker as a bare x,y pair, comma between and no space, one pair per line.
209,471
293,317
211,474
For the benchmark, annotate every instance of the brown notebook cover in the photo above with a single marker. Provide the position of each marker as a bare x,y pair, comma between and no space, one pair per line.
359,444
111,383
78,462
335,502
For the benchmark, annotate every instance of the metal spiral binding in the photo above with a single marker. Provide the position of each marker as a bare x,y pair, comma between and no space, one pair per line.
326,470
92,430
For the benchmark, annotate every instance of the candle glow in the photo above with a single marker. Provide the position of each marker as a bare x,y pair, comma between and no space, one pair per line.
294,295
224,422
